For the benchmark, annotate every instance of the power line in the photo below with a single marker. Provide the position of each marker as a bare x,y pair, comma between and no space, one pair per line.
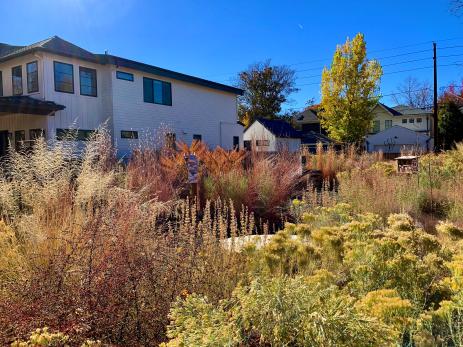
397,93
450,47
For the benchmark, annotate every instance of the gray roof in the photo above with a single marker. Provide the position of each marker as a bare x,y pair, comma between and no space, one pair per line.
53,44
62,47
405,110
279,128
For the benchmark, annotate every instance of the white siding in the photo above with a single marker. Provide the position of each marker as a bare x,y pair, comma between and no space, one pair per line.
398,138
83,112
6,67
195,110
257,132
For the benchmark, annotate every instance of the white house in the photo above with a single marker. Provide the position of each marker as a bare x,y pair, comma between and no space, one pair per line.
397,139
54,87
267,135
416,119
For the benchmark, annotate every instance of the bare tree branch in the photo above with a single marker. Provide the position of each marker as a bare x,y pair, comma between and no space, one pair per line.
413,93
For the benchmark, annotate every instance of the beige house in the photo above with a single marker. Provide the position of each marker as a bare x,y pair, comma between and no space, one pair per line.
416,119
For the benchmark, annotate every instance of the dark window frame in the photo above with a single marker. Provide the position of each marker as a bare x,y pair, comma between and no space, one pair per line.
93,71
151,96
120,73
19,143
33,133
129,134
419,120
13,79
404,120
197,137
411,120
36,72
54,77
74,134
236,142
262,143
1,83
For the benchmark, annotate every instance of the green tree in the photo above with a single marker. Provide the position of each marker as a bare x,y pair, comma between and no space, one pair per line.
349,92
266,88
450,123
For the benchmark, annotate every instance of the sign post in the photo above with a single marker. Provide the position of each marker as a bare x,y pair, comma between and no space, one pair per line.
193,175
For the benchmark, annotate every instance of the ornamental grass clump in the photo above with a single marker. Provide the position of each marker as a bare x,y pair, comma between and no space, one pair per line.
90,252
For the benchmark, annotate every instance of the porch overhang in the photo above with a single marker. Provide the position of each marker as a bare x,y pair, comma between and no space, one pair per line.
28,105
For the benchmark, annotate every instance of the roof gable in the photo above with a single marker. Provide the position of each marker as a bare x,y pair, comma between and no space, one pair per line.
53,44
307,116
57,45
279,128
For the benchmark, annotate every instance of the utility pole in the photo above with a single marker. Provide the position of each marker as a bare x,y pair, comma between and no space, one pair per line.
436,130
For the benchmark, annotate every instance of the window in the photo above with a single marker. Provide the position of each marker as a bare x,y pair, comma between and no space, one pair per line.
170,140
197,137
1,84
87,81
64,77
404,120
19,138
387,123
129,134
17,80
35,134
247,145
74,134
262,142
157,92
376,126
32,77
124,76
419,120
236,142
411,120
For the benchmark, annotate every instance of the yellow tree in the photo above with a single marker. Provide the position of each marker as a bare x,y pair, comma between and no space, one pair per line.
349,92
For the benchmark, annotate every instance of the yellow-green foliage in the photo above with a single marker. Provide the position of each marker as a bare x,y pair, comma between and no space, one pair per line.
45,338
280,311
388,307
198,323
449,229
387,274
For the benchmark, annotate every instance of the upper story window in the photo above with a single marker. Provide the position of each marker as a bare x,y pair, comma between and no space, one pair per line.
404,120
1,84
64,77
124,76
157,92
411,120
87,81
197,137
32,77
17,80
419,120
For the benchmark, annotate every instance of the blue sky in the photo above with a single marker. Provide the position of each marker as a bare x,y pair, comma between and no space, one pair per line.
217,39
